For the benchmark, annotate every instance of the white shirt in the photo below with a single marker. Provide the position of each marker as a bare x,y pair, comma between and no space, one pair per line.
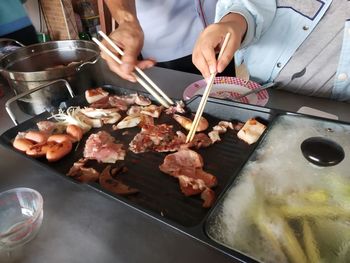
171,28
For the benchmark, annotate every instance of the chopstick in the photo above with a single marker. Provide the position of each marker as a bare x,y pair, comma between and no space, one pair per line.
205,96
121,52
156,92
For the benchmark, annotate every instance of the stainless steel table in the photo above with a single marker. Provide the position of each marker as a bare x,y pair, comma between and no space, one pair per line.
81,225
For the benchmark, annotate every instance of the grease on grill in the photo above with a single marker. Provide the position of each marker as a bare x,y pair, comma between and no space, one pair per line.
112,184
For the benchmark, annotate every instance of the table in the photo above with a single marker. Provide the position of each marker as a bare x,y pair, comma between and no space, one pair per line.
82,225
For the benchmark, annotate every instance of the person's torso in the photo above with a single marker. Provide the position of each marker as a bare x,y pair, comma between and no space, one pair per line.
300,61
13,16
171,28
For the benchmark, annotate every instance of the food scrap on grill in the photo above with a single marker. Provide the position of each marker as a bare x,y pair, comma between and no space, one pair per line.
178,108
200,140
146,120
150,137
177,141
101,146
111,101
93,95
83,174
152,110
107,116
208,196
98,98
134,110
50,127
187,123
187,166
161,138
142,100
218,129
238,125
117,102
251,131
108,181
128,122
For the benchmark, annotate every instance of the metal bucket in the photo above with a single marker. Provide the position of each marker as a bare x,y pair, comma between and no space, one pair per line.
29,67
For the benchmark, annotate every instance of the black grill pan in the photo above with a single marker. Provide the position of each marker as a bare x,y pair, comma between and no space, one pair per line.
160,195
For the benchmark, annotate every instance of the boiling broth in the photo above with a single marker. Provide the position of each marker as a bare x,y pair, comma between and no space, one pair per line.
283,208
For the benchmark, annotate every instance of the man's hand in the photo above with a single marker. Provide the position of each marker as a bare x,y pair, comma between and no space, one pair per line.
211,39
129,37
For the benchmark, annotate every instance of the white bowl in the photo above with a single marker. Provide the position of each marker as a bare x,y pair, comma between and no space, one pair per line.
229,88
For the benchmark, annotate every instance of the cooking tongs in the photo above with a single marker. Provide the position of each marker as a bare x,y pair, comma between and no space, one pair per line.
151,87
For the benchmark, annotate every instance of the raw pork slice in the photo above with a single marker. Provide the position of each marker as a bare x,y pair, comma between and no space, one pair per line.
101,147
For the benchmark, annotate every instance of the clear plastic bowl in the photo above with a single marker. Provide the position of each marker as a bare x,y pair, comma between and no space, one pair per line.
21,215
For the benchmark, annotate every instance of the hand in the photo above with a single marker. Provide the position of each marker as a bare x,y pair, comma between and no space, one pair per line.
129,37
210,41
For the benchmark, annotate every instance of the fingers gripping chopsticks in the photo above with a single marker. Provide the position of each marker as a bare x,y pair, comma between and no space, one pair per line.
146,82
205,96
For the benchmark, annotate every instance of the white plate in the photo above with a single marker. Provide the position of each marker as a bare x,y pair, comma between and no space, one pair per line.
228,88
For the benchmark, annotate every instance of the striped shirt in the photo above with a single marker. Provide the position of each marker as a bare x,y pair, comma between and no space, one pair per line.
304,46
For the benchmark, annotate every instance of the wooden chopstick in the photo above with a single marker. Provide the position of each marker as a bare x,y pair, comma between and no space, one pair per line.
121,52
205,96
139,80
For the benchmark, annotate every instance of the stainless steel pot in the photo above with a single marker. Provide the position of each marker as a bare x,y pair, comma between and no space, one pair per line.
29,67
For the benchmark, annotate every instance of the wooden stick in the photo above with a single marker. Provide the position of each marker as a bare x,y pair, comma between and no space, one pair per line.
139,80
121,52
205,96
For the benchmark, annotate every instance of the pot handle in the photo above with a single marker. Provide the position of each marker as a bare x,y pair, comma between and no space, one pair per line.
10,101
9,40
78,68
12,40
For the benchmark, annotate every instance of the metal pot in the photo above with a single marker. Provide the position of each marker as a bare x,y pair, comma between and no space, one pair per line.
29,67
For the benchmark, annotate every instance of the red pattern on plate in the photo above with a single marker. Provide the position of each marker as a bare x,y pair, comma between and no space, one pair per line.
262,96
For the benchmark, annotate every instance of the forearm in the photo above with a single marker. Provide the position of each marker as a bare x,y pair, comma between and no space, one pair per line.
122,10
258,15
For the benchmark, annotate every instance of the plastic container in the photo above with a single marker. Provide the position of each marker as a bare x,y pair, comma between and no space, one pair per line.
21,215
